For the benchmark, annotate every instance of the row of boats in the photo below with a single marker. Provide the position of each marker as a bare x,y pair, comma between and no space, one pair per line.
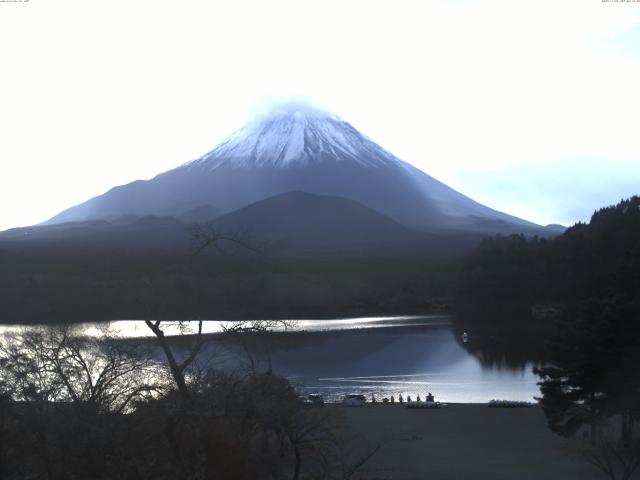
509,404
359,400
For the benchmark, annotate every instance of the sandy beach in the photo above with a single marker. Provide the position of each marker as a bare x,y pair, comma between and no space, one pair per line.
463,441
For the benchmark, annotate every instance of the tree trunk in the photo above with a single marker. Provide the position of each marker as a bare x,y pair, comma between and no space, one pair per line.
42,434
626,428
296,468
281,438
176,372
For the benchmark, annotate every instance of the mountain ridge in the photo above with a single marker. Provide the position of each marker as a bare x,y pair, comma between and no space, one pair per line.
290,224
301,148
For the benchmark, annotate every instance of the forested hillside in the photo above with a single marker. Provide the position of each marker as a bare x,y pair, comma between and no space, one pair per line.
573,304
528,278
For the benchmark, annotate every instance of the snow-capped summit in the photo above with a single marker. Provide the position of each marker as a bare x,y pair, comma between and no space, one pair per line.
295,133
296,147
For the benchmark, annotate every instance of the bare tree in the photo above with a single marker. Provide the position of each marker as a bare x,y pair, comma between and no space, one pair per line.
244,331
263,405
178,366
206,235
616,458
56,364
319,448
67,392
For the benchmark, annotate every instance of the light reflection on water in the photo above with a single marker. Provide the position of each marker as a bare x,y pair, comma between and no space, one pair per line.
409,356
379,356
138,329
501,385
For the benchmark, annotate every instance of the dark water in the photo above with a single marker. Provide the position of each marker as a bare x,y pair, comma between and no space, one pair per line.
393,356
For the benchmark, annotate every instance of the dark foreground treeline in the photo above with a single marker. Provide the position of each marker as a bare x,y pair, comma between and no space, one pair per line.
576,300
53,287
73,407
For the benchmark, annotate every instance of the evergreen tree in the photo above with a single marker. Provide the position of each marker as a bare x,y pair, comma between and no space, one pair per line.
594,375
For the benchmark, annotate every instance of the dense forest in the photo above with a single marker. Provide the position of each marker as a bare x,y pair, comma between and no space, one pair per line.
574,303
61,287
527,281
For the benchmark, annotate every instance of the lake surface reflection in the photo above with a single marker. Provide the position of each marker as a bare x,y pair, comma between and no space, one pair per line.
414,357
379,356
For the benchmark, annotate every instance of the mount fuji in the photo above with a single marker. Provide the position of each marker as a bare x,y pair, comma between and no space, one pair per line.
296,147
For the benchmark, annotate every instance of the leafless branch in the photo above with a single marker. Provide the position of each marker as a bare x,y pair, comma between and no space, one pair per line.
207,235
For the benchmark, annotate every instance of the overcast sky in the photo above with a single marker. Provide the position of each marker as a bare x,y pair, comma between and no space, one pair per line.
530,107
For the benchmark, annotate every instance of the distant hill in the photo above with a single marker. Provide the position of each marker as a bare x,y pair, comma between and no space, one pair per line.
201,213
598,261
126,234
316,223
293,223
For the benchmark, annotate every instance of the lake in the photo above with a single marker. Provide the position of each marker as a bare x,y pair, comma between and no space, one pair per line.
379,356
